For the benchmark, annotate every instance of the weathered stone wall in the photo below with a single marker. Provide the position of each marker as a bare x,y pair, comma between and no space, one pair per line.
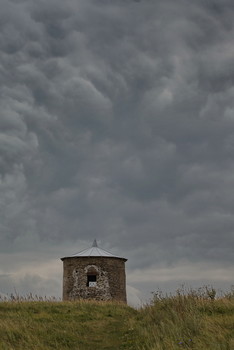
110,278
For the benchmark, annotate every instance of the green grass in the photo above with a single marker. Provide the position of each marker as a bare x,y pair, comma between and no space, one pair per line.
185,321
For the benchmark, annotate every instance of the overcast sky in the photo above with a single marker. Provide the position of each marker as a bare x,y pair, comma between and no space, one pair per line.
117,123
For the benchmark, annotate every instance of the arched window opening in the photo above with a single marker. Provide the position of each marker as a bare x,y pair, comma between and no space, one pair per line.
91,280
92,277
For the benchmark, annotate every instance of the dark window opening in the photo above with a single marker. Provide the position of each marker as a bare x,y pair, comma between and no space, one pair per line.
91,280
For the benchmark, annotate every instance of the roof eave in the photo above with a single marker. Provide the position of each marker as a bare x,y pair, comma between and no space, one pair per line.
92,256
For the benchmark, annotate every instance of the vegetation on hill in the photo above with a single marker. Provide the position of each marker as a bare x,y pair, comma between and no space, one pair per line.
194,320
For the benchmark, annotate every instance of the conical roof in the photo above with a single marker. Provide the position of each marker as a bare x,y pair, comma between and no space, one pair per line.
94,251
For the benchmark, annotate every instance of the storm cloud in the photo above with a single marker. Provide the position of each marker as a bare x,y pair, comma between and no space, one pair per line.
117,122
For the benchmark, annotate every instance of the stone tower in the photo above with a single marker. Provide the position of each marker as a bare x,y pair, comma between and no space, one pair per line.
94,273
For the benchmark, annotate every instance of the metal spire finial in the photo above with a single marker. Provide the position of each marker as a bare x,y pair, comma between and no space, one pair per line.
94,243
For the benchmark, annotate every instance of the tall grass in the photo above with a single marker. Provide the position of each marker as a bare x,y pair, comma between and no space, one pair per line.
190,319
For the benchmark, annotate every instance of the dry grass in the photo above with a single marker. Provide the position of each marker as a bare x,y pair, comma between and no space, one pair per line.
187,320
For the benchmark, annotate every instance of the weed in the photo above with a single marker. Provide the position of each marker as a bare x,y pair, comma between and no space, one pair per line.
190,319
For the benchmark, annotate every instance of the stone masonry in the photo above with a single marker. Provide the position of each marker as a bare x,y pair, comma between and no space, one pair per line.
108,274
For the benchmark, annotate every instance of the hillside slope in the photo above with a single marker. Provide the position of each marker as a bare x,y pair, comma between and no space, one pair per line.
180,322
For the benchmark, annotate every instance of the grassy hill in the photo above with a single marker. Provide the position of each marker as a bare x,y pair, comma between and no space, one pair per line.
184,321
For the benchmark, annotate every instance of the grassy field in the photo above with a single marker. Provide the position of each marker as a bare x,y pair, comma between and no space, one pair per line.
185,321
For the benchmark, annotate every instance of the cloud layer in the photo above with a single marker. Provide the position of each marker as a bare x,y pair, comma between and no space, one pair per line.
117,122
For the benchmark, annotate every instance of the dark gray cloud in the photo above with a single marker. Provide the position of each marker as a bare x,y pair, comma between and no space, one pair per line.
117,122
